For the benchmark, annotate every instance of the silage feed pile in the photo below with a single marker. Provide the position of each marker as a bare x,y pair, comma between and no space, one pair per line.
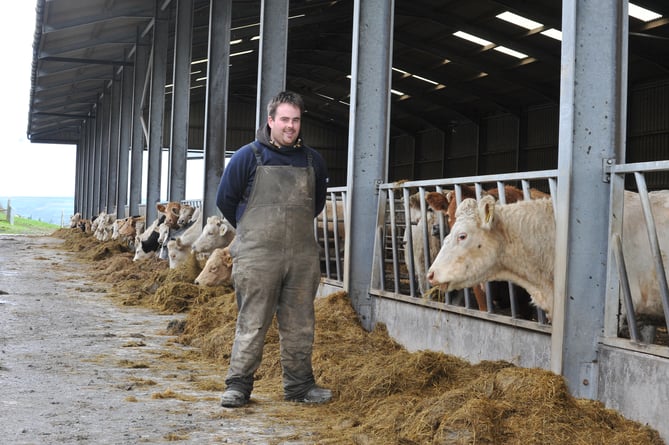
383,394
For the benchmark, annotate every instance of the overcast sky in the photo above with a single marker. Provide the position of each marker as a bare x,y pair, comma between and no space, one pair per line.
26,169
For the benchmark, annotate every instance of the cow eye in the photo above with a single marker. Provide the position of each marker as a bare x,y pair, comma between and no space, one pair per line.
462,236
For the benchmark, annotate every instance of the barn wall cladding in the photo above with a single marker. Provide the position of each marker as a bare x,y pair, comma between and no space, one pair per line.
445,94
531,140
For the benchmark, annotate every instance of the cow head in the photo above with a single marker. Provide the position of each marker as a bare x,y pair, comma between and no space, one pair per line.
171,211
74,220
218,269
185,215
471,248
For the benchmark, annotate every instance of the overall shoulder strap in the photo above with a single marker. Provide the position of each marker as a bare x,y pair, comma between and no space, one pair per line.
256,150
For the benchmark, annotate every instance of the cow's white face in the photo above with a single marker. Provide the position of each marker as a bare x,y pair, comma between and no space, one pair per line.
216,233
177,253
470,251
75,219
218,269
185,214
163,233
139,252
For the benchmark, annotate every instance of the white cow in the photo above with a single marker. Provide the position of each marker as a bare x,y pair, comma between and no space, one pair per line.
192,230
103,226
516,242
116,227
218,232
218,269
97,220
163,233
417,229
636,249
177,252
186,215
75,220
179,248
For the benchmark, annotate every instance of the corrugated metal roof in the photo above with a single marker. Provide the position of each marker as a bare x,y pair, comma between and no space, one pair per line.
444,79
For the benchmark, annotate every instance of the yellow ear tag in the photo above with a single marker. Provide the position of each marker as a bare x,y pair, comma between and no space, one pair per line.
488,214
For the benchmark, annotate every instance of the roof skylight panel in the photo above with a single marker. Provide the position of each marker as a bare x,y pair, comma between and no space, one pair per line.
643,14
483,42
529,24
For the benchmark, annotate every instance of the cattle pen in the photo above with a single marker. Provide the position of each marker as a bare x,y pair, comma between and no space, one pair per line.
510,329
404,99
629,369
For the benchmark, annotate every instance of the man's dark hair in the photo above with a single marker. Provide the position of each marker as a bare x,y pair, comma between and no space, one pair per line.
285,97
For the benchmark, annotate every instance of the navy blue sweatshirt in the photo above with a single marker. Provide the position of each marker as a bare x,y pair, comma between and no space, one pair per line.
237,180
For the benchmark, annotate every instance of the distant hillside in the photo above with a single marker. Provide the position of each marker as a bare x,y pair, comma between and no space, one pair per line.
24,226
52,210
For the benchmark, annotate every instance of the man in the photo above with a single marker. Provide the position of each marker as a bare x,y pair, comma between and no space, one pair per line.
270,191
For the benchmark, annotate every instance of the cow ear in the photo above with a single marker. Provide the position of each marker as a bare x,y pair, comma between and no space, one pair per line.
450,195
227,260
437,201
160,207
487,211
223,229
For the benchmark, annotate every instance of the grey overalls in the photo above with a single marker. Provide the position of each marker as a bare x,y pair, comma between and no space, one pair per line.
276,270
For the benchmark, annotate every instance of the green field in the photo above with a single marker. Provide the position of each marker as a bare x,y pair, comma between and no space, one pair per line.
24,226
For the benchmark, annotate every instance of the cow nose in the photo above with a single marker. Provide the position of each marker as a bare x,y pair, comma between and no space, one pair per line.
430,276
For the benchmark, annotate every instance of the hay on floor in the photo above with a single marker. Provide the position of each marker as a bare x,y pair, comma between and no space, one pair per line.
383,394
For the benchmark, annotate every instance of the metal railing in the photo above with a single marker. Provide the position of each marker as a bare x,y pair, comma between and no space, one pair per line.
627,324
329,230
405,247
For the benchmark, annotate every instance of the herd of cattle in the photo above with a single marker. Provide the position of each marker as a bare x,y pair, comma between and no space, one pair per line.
177,233
487,241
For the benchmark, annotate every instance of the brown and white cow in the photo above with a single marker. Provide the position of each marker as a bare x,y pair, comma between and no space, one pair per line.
85,225
516,242
130,228
218,269
146,243
171,211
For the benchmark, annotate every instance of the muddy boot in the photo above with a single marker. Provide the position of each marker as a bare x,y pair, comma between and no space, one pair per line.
233,398
315,395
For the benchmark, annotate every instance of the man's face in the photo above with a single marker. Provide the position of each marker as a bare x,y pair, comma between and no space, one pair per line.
285,127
